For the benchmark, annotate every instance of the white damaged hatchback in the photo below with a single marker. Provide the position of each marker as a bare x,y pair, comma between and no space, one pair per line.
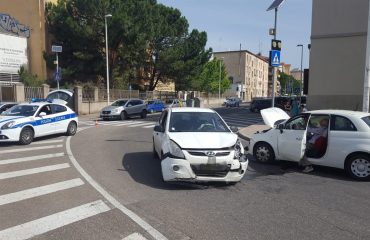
345,144
196,145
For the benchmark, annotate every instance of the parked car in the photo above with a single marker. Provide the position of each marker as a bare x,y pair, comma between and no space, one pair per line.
6,105
155,106
175,103
232,102
259,104
24,122
63,94
346,145
123,109
196,145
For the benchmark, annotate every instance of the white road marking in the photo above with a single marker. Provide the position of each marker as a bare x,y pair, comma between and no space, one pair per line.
47,142
54,221
39,191
135,236
30,149
150,126
141,124
32,158
134,217
30,171
128,123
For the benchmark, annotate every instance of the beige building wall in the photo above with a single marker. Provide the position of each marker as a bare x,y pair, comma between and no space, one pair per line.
337,58
253,72
31,13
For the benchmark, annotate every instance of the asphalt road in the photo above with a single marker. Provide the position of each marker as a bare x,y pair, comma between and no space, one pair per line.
274,201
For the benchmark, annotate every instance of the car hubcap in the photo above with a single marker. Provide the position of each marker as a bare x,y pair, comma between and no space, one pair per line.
360,167
26,136
72,128
263,154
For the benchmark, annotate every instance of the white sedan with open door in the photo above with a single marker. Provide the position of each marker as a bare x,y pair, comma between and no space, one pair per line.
345,144
195,144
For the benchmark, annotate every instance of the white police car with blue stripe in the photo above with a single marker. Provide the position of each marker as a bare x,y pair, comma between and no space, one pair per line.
24,122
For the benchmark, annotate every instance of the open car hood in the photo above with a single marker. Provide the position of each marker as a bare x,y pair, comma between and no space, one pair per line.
271,115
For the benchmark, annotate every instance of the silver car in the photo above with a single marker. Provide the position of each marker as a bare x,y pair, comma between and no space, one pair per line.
123,108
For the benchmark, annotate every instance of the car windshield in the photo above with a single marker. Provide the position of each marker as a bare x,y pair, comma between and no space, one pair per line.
119,103
21,110
367,120
197,122
150,102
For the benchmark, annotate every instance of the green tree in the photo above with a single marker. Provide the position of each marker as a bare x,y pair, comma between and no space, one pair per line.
209,78
147,41
284,79
28,79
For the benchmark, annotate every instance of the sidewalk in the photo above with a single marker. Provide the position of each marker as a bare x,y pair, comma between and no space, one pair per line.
247,132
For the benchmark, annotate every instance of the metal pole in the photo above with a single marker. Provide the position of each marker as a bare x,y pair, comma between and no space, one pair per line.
274,75
301,71
57,72
106,52
366,96
219,85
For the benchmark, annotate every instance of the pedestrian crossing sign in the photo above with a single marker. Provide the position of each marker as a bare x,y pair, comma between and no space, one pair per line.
275,58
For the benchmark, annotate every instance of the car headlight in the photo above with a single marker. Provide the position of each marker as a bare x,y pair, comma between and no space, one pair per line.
175,150
238,149
116,110
8,125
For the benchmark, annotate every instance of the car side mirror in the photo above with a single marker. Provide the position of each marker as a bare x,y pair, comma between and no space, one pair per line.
234,129
42,114
158,128
281,127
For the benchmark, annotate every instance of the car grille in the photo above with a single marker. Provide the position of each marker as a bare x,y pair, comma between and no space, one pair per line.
106,112
211,170
203,153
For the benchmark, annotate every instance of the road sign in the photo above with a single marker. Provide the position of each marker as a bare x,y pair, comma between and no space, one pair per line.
58,75
276,44
56,49
275,58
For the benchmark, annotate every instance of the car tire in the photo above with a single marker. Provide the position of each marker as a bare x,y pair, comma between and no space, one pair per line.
358,167
143,114
263,153
151,111
26,136
71,129
123,115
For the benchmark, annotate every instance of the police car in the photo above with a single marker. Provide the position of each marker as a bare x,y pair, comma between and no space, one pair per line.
24,122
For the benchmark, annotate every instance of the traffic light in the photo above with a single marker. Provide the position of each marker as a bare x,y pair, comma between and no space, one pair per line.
275,45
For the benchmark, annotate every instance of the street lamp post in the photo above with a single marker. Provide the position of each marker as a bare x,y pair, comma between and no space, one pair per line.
219,83
301,45
106,52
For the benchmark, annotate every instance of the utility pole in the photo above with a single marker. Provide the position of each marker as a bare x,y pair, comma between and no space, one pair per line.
366,96
106,53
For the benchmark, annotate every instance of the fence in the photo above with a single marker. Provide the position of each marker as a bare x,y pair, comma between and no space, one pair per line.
115,94
33,92
7,93
88,94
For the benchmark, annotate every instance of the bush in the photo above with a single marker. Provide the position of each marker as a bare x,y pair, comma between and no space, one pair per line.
29,79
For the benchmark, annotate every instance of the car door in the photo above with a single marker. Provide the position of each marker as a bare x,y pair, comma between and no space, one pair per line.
158,136
60,120
292,139
129,107
44,124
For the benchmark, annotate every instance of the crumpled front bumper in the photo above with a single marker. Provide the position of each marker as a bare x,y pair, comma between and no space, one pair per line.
182,170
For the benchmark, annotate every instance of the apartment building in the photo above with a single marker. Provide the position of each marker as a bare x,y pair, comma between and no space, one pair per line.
249,73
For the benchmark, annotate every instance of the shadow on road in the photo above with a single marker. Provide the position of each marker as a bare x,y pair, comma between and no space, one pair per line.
144,169
256,169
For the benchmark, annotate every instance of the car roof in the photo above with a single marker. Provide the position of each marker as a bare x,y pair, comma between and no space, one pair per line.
346,113
191,109
69,92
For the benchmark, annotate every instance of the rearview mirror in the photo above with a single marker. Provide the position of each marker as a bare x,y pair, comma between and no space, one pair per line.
42,114
158,128
281,127
234,129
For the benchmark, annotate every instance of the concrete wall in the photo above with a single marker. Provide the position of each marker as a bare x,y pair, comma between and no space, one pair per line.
337,57
92,107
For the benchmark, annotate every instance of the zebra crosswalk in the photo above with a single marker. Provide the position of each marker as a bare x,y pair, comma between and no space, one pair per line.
130,123
41,193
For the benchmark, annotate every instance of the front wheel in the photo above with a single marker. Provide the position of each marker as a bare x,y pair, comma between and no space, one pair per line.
358,167
263,153
143,114
71,129
123,115
26,136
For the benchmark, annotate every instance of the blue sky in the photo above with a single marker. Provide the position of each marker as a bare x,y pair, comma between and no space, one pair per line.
231,22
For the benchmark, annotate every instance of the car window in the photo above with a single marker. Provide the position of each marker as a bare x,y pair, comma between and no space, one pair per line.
151,102
339,123
46,109
163,119
366,120
59,95
58,108
21,110
197,122
297,123
119,103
